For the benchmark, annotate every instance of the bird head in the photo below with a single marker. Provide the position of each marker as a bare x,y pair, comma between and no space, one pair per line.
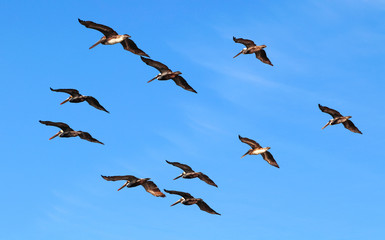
57,134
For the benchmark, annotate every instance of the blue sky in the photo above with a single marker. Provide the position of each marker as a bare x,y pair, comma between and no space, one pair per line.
329,186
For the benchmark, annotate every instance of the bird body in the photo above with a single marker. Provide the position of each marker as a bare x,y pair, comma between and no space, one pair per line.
188,199
76,97
66,131
338,118
256,149
132,181
188,173
251,48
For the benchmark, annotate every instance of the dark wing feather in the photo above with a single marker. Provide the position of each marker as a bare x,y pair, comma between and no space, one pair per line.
88,137
184,167
95,103
269,158
151,187
350,125
107,31
330,111
248,43
182,194
206,179
129,45
160,66
261,55
204,207
72,92
253,144
117,178
181,82
60,125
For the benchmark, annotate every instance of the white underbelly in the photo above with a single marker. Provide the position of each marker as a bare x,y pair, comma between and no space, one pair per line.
114,41
259,151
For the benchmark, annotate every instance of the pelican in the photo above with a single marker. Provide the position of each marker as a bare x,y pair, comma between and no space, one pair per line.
76,97
133,181
166,74
338,118
66,131
187,199
257,149
111,37
251,47
189,173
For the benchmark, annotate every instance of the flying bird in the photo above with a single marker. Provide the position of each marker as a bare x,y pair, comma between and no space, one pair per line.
189,173
187,199
251,47
66,131
257,149
76,97
111,37
338,118
133,181
166,74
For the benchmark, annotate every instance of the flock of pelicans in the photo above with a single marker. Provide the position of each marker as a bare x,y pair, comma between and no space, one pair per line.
111,37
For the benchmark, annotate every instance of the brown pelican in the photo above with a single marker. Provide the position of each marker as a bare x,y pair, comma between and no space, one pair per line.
133,181
76,97
257,149
187,199
166,74
111,37
66,131
189,173
338,118
250,48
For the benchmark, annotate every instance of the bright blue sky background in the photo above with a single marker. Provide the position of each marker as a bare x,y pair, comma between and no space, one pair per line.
330,184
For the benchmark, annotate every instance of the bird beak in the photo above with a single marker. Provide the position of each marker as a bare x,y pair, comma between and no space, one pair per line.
152,79
245,154
180,200
57,134
69,98
96,44
238,54
178,176
327,124
123,186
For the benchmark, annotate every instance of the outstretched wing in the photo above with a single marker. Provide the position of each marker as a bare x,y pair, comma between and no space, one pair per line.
151,187
130,45
160,66
184,167
182,194
350,125
95,103
60,125
330,111
72,92
206,179
204,207
181,82
88,137
268,157
253,144
261,55
117,178
107,31
248,43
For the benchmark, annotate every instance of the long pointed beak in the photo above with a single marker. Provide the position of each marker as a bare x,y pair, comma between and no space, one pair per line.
152,79
178,176
327,124
180,200
69,98
57,134
238,54
245,154
123,186
96,44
